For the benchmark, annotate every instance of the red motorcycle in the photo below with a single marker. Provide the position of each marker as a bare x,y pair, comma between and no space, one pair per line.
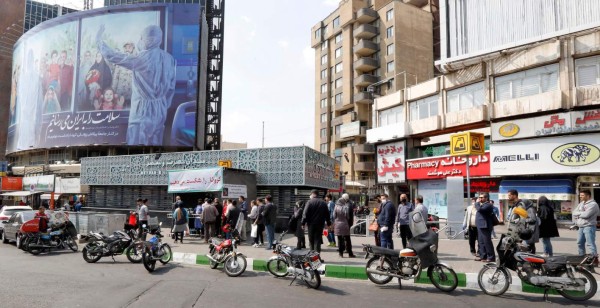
225,252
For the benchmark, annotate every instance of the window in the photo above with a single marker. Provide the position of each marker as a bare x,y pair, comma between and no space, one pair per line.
338,67
318,33
390,66
338,98
390,49
525,83
466,97
338,82
423,108
323,132
389,15
338,38
324,88
390,32
391,116
324,59
338,129
324,147
323,103
587,71
336,22
323,117
324,45
338,52
324,74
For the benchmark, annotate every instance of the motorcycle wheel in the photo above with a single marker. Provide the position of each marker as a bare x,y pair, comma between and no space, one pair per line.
134,255
167,254
213,264
149,264
235,266
493,280
25,243
590,287
373,263
34,251
315,282
71,243
278,267
91,257
443,277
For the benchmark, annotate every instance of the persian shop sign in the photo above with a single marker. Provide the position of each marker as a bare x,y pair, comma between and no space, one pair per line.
390,162
553,124
444,166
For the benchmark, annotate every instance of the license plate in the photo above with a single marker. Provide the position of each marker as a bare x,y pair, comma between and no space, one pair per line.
315,264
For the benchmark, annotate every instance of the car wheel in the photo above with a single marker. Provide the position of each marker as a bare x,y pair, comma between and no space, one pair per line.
4,239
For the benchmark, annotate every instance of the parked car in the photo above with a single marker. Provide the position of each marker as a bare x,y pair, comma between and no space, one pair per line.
8,210
12,226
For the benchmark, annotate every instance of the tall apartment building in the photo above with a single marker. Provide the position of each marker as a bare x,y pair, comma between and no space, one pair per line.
124,2
379,46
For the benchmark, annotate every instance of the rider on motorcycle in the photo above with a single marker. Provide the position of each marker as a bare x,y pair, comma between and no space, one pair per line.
43,219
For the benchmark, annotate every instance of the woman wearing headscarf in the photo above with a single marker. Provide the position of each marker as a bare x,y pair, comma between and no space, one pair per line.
296,226
181,221
98,78
548,228
341,226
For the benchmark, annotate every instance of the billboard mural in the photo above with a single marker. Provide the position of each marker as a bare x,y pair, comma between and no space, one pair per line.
390,162
119,76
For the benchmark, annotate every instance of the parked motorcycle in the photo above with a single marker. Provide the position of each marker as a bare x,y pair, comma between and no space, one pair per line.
387,264
568,275
118,243
154,249
301,263
60,237
225,252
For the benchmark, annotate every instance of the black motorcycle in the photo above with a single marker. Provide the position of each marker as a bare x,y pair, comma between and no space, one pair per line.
154,249
118,243
60,237
300,263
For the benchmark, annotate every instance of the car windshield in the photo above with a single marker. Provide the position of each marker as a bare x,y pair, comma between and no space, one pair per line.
28,215
10,212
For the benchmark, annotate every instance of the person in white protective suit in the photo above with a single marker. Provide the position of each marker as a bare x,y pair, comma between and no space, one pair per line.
153,85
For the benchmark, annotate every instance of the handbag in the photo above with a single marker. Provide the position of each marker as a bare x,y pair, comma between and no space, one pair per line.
254,230
374,226
495,220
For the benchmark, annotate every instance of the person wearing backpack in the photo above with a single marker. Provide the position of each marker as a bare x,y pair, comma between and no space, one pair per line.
531,220
181,222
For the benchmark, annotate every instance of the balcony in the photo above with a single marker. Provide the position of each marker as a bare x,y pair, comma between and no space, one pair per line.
365,80
388,132
528,104
366,64
363,98
366,15
366,48
588,96
425,125
343,105
364,149
467,116
365,31
364,166
346,118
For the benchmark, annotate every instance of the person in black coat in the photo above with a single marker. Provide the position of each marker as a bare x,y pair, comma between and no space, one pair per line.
296,227
315,215
548,228
485,225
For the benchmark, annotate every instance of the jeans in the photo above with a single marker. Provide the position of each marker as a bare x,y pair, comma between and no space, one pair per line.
270,235
547,246
386,239
331,237
587,236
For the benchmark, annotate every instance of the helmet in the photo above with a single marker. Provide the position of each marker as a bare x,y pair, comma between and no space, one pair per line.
520,211
525,234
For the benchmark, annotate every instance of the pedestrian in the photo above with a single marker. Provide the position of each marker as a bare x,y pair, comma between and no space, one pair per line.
244,216
260,221
296,226
585,216
386,220
376,212
341,225
143,216
252,217
78,206
485,224
548,228
316,214
331,208
531,220
420,207
174,207
198,221
402,219
470,225
231,217
269,215
181,222
209,219
219,208
497,214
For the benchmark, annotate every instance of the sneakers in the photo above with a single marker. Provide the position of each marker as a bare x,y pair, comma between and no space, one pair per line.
477,258
255,245
261,244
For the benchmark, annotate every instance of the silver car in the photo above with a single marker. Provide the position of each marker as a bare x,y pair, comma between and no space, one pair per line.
12,226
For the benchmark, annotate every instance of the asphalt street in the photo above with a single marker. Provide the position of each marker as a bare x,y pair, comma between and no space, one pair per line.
64,279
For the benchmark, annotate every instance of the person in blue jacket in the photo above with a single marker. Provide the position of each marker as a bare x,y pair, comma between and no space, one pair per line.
386,220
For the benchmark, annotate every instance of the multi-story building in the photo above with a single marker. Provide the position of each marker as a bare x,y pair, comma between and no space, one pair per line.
38,12
530,85
124,2
364,48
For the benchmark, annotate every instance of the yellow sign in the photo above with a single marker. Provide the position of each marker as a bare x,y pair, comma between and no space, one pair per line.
337,170
225,163
467,144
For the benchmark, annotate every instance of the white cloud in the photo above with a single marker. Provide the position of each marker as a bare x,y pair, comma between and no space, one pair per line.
283,43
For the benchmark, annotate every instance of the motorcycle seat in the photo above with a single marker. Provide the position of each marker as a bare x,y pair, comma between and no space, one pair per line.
109,239
299,252
565,259
385,251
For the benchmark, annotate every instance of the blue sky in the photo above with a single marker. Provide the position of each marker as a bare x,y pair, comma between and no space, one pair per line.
268,70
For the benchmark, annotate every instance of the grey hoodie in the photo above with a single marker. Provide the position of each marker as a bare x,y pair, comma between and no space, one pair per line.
586,213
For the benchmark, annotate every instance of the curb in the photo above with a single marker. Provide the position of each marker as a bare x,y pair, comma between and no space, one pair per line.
465,280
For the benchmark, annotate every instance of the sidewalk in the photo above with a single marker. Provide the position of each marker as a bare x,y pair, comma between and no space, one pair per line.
455,253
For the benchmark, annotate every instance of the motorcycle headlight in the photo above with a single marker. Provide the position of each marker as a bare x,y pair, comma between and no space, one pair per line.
433,248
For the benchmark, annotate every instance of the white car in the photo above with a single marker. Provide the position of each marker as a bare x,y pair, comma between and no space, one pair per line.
7,211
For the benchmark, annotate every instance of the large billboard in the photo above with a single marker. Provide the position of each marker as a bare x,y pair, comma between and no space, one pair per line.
114,76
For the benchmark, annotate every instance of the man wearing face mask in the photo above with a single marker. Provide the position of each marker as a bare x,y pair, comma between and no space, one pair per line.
404,208
316,214
386,220
153,84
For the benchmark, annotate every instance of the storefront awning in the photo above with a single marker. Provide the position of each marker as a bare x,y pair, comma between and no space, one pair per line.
20,193
47,196
553,189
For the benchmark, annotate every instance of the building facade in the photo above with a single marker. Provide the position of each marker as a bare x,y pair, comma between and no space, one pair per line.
361,49
38,12
538,105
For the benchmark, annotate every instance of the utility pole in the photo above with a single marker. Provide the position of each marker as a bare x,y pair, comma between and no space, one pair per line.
263,134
